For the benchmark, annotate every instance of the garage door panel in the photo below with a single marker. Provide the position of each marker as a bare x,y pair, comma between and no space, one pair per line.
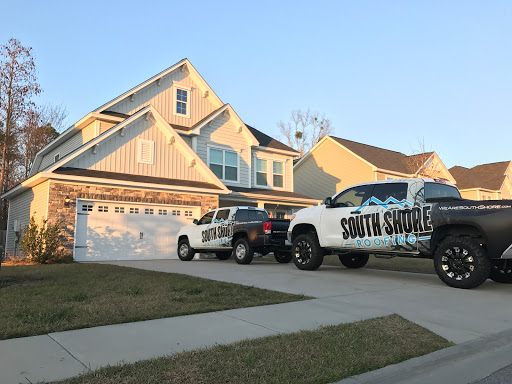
118,231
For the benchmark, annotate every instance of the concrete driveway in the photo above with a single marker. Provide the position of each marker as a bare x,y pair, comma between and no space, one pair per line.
458,315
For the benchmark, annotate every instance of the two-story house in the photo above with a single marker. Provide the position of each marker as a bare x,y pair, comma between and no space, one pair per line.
485,182
334,164
123,179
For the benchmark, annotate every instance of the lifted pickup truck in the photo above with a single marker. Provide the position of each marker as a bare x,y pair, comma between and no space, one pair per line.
469,241
240,231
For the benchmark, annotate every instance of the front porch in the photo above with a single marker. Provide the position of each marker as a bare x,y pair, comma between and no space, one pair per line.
279,204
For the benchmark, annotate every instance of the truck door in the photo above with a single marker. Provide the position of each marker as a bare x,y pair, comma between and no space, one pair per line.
399,219
199,238
342,208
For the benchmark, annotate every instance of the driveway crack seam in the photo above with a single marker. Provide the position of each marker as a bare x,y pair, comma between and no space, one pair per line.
73,356
258,325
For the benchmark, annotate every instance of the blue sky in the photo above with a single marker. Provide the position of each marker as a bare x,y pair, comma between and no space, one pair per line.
385,73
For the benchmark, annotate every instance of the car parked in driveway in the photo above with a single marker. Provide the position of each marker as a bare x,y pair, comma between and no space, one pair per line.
469,241
237,231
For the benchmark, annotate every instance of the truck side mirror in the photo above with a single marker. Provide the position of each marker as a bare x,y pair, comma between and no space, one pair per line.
195,221
328,202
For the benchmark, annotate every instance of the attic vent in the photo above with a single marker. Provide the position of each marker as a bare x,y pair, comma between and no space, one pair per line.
146,151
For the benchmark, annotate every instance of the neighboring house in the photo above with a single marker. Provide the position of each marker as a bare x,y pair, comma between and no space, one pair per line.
127,176
485,182
334,164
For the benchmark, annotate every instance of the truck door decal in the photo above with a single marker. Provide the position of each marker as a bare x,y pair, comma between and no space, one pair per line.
400,225
218,233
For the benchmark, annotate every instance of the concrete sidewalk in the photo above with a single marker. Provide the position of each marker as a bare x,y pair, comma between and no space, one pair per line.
65,354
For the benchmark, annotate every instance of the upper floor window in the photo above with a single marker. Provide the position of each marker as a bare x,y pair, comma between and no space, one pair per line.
182,101
224,164
278,169
261,172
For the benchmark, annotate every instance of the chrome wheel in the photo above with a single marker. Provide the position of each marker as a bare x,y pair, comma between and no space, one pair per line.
184,250
303,252
240,251
458,263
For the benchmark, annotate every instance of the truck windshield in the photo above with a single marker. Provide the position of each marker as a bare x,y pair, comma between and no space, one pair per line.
441,191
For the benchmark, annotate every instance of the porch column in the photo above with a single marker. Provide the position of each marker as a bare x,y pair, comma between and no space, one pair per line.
261,204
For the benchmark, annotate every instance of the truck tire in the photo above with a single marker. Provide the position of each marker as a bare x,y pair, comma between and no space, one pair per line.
185,251
283,256
354,261
223,255
242,251
501,271
306,252
461,262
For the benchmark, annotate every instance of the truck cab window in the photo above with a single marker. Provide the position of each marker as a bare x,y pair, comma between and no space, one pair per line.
441,191
385,191
207,218
257,215
354,197
222,214
242,215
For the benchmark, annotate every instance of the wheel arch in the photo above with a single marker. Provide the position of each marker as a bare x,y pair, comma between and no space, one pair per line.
443,231
303,228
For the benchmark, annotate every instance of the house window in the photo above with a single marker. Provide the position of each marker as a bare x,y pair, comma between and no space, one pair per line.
56,157
146,151
134,211
149,211
87,208
224,164
261,172
119,209
278,169
103,208
162,212
181,101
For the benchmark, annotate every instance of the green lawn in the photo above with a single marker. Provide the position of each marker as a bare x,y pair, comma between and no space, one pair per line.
38,299
325,355
402,264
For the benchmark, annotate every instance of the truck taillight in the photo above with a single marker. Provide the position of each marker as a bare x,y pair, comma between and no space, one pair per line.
267,227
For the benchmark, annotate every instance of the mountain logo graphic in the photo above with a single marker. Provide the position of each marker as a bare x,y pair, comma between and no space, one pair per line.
215,221
389,201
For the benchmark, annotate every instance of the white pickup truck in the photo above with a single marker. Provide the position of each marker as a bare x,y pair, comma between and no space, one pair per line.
469,241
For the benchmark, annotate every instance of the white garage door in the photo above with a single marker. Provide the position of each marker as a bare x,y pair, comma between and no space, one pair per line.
124,231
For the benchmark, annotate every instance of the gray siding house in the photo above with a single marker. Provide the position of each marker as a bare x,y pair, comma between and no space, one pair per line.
125,178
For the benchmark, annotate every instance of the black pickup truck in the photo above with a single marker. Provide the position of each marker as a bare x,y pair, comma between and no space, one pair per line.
237,231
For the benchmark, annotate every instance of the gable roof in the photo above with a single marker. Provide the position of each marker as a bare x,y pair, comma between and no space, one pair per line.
184,63
269,142
488,176
382,158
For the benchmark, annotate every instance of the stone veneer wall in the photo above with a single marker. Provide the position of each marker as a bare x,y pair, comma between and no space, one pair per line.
66,215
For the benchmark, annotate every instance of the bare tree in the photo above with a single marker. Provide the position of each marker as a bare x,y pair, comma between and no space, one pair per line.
421,163
40,126
305,129
18,83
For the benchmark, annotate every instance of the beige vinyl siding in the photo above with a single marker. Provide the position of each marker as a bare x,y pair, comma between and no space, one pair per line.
222,133
120,154
328,170
77,140
271,156
471,195
33,202
162,98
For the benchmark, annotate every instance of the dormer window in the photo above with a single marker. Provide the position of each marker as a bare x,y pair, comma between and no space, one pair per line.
181,101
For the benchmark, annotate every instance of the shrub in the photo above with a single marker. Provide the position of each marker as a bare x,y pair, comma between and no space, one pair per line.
42,243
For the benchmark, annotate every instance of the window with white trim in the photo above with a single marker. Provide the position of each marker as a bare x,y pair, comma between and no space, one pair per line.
103,208
278,174
162,212
149,211
181,101
224,164
176,212
261,172
188,213
146,151
87,208
119,209
134,211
